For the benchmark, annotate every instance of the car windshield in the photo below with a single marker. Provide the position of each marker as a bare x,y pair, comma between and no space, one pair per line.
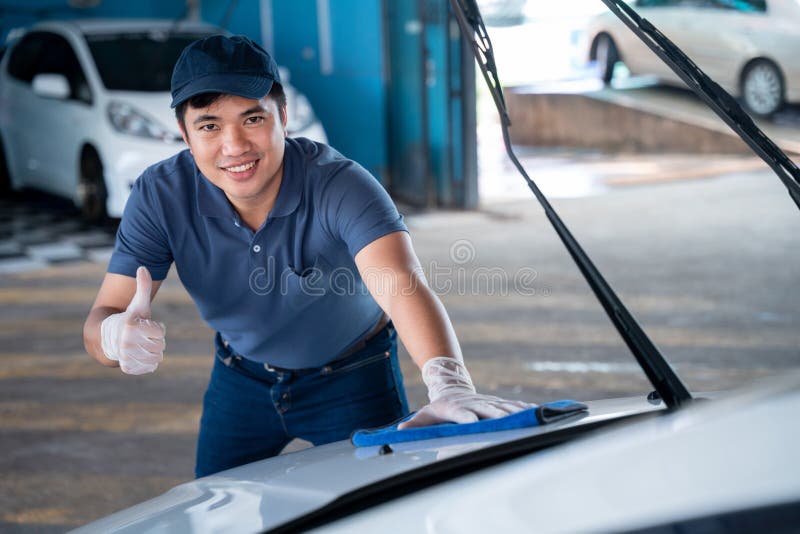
138,61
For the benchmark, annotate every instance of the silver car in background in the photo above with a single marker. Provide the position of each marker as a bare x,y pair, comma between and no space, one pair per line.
85,107
749,47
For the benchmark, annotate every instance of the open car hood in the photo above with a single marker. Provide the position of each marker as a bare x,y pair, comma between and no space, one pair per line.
738,452
268,493
727,465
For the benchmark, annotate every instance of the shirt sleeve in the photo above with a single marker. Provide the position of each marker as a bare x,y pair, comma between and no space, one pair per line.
356,208
141,239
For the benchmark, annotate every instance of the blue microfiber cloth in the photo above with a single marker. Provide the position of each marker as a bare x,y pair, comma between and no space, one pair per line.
539,415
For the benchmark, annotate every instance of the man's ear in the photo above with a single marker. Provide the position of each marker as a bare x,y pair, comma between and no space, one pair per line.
184,135
284,119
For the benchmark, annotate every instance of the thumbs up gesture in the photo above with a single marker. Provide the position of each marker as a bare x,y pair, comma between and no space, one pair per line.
131,337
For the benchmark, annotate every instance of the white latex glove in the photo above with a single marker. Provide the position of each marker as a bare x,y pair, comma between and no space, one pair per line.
131,337
454,399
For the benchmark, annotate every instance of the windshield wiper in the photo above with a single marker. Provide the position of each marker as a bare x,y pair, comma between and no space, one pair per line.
717,98
665,381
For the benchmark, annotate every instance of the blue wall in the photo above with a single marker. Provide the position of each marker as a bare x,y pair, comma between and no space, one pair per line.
431,102
242,16
342,76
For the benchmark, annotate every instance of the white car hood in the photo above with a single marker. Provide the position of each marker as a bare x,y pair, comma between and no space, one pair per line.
734,456
265,494
154,105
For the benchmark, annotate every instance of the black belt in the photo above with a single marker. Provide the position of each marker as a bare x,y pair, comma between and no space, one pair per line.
365,340
349,352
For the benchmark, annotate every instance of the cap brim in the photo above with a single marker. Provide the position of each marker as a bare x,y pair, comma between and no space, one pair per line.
244,85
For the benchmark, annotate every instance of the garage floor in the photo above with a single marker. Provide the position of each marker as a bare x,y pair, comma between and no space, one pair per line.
706,260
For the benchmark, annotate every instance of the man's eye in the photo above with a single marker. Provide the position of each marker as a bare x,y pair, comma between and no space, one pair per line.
208,127
255,120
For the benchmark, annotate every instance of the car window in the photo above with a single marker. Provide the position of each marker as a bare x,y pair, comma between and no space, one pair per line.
742,5
49,53
137,61
60,58
671,3
25,56
737,5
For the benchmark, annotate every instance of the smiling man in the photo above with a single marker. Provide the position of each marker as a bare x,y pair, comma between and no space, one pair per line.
295,255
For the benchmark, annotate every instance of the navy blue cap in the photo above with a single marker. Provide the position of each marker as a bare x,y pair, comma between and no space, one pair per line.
219,64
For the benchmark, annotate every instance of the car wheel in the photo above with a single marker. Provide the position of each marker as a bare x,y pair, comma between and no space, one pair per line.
606,54
763,88
92,192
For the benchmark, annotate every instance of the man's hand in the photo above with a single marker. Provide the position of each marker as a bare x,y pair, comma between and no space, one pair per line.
454,399
131,337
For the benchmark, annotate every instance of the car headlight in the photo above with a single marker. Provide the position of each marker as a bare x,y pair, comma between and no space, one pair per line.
128,120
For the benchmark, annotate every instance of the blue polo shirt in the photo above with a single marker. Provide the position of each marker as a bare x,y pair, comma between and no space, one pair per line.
288,294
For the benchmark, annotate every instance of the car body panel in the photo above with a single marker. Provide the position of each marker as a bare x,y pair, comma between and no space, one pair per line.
265,494
729,454
721,42
125,156
18,140
726,452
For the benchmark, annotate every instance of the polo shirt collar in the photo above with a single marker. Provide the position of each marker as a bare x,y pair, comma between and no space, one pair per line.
212,202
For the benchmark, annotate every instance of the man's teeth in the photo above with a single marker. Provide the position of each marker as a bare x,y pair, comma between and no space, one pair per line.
242,168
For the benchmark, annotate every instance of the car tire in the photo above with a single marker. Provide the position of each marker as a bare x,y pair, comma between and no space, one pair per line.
762,88
92,192
606,55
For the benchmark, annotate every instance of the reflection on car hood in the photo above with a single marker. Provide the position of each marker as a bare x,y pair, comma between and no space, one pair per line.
268,493
712,467
154,105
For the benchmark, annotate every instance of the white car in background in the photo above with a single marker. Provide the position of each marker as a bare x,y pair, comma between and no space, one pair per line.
85,107
749,47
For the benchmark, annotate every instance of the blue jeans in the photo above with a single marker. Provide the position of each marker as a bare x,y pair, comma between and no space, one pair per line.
250,412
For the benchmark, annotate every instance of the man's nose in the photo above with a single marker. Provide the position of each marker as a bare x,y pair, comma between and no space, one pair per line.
235,142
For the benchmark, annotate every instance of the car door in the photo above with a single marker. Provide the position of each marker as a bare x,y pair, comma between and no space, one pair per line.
59,125
722,33
635,54
672,18
18,105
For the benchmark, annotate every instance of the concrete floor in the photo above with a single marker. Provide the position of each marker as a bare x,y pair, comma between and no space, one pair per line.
708,265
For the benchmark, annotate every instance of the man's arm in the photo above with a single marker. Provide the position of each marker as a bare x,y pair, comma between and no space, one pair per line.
392,273
118,296
394,277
